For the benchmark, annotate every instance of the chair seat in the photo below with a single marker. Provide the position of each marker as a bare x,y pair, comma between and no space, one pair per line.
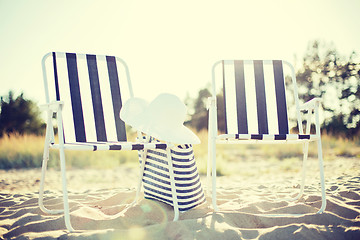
269,137
94,146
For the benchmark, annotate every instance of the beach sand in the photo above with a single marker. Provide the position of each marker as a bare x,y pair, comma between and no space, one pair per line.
244,199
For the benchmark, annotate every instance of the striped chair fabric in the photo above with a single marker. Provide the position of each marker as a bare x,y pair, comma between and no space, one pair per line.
90,89
187,180
86,92
256,111
255,101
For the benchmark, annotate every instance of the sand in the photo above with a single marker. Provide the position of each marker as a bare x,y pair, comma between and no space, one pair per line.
244,199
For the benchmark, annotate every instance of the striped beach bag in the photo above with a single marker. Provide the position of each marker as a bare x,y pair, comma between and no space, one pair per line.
156,179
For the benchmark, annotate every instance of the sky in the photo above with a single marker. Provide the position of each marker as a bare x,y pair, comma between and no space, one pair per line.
169,46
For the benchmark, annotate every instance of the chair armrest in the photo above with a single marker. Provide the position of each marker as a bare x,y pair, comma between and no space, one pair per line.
53,106
210,102
312,104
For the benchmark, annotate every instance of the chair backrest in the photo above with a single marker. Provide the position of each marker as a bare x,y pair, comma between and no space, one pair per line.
89,85
255,97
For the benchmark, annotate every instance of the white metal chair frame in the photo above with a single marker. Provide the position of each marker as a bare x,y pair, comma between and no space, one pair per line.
52,107
312,109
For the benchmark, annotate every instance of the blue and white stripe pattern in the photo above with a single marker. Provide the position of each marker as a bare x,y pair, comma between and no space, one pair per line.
270,137
156,178
89,86
255,100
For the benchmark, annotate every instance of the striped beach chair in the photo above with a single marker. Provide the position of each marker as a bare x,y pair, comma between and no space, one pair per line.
256,111
86,92
157,176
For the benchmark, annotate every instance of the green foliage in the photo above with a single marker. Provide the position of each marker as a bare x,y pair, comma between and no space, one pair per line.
199,118
19,115
335,79
200,115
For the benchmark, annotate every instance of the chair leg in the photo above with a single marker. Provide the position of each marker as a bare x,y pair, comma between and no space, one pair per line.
141,175
214,184
321,164
42,181
208,171
212,162
303,172
65,192
173,187
322,178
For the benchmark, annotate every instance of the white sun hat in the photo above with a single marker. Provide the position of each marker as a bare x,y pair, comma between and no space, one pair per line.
162,119
132,109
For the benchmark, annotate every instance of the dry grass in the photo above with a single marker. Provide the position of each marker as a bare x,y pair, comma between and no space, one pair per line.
26,152
286,155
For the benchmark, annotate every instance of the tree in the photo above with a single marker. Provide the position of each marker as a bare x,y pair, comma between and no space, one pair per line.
19,115
335,79
200,116
325,74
